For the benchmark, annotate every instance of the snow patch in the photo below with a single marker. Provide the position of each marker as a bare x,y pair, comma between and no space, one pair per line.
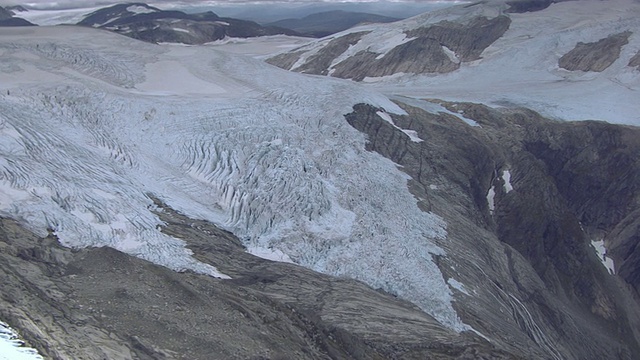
506,176
269,254
182,30
458,286
451,54
601,251
12,348
137,9
491,199
413,135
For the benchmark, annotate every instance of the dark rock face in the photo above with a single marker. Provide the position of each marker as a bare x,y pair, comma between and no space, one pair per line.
100,303
7,19
523,6
595,56
635,61
419,56
5,14
569,181
330,22
320,62
155,25
467,41
16,22
427,53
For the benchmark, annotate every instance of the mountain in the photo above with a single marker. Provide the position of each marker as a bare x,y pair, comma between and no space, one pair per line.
5,14
7,19
166,201
147,23
330,22
538,59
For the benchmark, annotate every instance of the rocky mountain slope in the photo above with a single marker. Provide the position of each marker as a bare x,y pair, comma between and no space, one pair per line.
330,22
178,202
540,59
7,18
147,23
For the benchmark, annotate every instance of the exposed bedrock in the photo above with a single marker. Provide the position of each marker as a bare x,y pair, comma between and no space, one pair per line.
437,48
100,303
528,246
635,61
595,56
320,62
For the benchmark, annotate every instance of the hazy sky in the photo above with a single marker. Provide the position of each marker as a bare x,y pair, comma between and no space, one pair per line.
90,3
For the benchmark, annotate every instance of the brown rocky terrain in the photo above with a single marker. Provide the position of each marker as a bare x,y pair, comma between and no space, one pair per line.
426,52
595,56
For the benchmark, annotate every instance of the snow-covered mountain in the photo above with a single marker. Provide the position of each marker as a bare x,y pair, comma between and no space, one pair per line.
562,60
401,227
7,18
148,23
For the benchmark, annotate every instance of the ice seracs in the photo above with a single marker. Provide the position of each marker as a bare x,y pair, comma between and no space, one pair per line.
262,152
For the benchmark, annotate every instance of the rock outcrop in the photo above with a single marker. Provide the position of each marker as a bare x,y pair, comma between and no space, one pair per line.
7,19
596,56
100,303
635,61
436,48
528,195
147,23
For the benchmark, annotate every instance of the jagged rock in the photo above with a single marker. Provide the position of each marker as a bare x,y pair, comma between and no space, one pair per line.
522,6
635,61
147,23
419,56
5,14
436,48
545,218
320,62
595,56
15,21
101,303
468,41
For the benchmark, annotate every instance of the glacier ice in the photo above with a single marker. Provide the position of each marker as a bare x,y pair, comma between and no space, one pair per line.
265,154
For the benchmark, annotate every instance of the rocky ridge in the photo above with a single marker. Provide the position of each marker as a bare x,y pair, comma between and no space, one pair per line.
596,56
536,224
97,303
147,23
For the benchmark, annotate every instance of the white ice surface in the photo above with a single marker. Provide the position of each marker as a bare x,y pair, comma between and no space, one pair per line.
413,135
458,286
506,176
137,9
56,17
11,347
491,195
600,249
261,152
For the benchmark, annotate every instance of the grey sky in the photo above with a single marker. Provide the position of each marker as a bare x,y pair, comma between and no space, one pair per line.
52,4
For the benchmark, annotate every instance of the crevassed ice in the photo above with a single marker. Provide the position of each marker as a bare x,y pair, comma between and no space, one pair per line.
280,168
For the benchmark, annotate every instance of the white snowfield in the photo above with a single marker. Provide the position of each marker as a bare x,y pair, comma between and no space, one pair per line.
92,122
521,68
12,348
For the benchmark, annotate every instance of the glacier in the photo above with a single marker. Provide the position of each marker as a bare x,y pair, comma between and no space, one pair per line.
92,125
